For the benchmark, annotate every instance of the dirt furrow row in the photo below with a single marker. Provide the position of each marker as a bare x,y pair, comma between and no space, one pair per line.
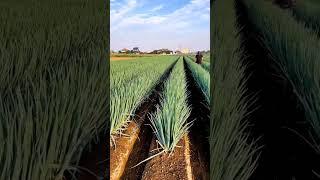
133,147
199,132
190,159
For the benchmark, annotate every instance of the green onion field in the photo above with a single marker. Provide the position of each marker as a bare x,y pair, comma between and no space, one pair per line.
265,106
153,116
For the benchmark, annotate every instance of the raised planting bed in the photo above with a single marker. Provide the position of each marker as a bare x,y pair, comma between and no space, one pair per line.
176,165
127,145
120,153
188,160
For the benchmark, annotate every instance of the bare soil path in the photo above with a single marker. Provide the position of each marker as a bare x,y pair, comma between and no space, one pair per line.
199,132
143,135
121,58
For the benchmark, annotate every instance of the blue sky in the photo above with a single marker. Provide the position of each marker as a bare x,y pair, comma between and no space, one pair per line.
154,24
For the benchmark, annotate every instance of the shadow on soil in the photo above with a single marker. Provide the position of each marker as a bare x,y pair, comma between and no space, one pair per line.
199,131
142,145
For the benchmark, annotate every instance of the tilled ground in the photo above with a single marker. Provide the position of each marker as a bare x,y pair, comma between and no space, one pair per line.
190,160
199,132
169,166
136,150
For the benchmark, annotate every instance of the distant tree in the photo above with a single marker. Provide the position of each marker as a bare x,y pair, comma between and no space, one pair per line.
136,49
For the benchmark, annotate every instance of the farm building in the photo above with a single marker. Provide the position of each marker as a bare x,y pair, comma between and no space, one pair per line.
136,50
124,50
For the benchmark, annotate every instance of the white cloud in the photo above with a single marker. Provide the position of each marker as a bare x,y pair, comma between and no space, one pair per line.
182,26
157,8
118,14
187,14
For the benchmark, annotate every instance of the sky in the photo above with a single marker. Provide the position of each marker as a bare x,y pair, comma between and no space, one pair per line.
155,24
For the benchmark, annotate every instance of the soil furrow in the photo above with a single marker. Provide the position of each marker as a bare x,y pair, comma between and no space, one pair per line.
199,131
284,154
96,160
141,146
175,165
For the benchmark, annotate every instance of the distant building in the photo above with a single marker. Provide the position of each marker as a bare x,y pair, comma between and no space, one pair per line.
136,50
124,50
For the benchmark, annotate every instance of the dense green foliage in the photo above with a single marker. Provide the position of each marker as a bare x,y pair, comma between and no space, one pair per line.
308,12
201,76
123,71
205,63
206,66
53,93
169,122
232,155
131,83
206,58
295,50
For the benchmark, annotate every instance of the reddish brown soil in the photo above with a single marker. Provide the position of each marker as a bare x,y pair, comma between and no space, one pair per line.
168,166
199,147
189,161
130,152
141,147
119,154
120,58
200,166
139,153
199,131
131,149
